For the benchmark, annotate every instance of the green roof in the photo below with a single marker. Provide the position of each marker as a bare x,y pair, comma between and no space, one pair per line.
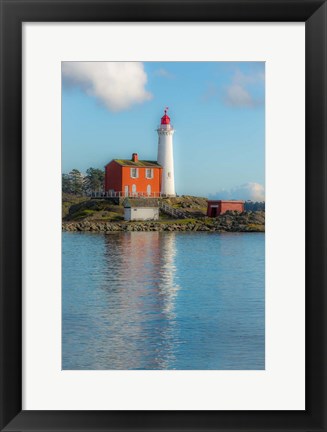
140,202
140,163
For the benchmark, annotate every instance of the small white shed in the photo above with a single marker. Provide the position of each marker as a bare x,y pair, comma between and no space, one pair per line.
141,209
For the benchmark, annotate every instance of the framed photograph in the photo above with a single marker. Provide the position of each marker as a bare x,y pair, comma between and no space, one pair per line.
163,215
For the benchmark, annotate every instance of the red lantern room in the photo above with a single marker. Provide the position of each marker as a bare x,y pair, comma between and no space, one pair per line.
165,119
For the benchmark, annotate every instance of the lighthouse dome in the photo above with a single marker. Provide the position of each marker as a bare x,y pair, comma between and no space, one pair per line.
165,119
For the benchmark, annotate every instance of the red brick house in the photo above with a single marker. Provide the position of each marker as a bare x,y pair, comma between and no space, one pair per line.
133,177
218,207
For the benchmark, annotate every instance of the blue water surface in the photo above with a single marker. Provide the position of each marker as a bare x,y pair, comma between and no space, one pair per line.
169,300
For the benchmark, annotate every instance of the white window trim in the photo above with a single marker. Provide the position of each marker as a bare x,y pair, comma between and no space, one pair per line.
146,170
137,172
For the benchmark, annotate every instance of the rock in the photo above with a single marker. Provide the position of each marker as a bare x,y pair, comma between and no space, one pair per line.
228,222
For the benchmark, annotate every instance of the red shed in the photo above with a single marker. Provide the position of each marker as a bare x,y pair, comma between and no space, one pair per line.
218,207
133,177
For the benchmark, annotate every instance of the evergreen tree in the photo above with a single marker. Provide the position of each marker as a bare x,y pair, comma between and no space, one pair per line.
66,184
254,206
76,179
94,180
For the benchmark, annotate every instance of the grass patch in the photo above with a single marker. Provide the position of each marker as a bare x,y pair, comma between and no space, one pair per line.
256,227
68,200
111,216
82,214
179,221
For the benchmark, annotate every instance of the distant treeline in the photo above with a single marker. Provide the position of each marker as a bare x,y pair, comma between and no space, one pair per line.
254,206
79,184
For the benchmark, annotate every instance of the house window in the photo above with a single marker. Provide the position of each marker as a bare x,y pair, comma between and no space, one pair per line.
149,173
134,172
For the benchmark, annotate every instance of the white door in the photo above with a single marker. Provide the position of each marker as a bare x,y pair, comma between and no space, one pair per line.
134,189
148,189
126,191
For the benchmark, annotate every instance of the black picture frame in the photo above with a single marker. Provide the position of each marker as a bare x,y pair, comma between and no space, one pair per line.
13,14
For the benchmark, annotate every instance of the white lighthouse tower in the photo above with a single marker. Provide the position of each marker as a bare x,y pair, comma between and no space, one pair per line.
165,155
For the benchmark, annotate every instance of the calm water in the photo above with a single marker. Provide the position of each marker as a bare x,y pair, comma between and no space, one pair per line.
163,301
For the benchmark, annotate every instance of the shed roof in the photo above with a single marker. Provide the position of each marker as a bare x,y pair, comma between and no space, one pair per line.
140,202
226,201
139,163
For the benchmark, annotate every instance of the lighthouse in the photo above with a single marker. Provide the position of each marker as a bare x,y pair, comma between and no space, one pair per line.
165,155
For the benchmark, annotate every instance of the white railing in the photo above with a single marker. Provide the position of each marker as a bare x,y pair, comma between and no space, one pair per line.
171,211
114,194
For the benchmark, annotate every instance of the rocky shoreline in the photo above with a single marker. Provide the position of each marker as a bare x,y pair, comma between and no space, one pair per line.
228,222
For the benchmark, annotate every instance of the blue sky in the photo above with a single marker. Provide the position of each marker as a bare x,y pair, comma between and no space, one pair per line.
110,110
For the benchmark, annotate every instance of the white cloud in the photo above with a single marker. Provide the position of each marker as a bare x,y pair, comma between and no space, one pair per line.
238,96
238,93
253,78
163,73
118,85
247,191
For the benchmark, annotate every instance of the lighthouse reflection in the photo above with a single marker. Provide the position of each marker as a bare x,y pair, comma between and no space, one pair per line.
141,290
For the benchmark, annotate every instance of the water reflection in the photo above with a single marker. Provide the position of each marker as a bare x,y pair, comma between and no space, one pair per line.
163,301
140,294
